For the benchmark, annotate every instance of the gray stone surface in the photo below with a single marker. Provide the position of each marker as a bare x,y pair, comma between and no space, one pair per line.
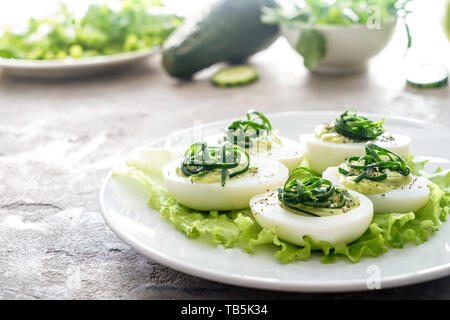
58,138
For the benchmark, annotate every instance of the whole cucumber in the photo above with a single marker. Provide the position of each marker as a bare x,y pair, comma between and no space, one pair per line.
226,30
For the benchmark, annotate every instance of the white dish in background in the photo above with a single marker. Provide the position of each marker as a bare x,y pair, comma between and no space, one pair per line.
127,214
69,67
348,48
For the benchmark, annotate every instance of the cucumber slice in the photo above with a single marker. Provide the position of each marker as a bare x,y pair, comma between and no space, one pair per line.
427,76
235,76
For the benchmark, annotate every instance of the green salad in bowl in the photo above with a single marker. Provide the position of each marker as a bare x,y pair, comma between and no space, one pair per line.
102,30
337,36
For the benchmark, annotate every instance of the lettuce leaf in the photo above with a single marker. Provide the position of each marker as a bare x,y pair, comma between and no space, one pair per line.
439,176
312,47
221,227
240,229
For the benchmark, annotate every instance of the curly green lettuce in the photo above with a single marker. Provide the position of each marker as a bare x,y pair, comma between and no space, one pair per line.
240,229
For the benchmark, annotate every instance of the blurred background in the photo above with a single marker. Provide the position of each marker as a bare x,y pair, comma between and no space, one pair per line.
425,22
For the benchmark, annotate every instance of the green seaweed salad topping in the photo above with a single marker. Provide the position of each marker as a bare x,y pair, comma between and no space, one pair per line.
201,159
355,127
374,163
244,132
304,192
102,30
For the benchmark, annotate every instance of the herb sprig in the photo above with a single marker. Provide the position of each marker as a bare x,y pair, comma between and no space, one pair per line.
201,159
374,163
243,132
302,188
350,125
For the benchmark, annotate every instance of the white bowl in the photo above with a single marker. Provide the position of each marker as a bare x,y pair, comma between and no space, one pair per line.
348,48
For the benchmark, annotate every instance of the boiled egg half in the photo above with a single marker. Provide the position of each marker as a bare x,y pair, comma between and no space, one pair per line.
208,193
323,154
292,227
409,197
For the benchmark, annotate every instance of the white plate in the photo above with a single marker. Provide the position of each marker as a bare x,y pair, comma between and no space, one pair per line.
145,230
70,67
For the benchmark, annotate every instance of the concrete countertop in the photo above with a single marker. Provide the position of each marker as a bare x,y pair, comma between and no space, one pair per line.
58,138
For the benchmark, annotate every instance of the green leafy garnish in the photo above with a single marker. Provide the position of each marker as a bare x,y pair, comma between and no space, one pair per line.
312,47
303,190
374,163
243,132
101,31
350,125
200,159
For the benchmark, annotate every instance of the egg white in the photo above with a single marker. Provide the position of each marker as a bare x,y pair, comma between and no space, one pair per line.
289,152
407,198
338,229
321,154
235,194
